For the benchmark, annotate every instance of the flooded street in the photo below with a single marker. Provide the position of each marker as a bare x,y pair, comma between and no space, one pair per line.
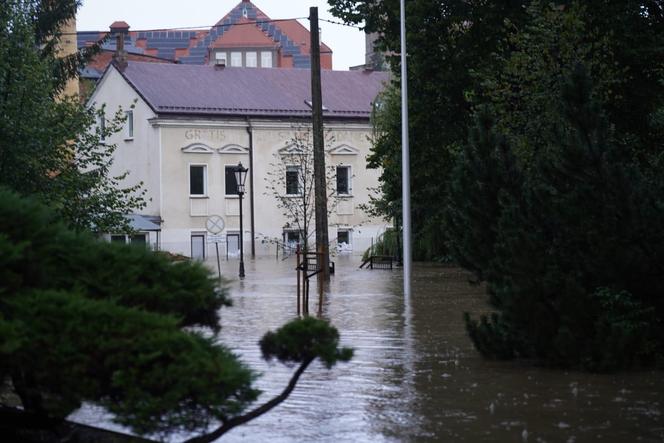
415,375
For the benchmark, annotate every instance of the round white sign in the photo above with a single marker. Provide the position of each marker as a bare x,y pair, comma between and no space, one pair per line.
215,224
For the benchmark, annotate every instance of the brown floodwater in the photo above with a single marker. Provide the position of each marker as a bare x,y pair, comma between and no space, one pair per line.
415,375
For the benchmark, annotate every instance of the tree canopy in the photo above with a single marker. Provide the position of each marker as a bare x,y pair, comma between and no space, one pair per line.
125,328
51,146
536,160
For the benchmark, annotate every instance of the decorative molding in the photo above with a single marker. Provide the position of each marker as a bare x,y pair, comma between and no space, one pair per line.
291,150
233,149
344,149
198,148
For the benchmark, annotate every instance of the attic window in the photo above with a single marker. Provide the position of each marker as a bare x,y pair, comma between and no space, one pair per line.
308,103
245,14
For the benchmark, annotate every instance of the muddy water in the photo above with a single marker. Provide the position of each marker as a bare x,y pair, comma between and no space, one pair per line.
415,375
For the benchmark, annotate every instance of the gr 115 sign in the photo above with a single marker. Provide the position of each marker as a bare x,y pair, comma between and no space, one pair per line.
214,224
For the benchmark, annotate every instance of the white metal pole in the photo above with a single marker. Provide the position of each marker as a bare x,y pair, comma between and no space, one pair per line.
405,162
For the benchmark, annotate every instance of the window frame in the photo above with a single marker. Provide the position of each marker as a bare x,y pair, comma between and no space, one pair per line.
349,183
129,125
234,55
197,234
231,169
263,57
101,122
255,59
205,180
221,56
347,232
298,170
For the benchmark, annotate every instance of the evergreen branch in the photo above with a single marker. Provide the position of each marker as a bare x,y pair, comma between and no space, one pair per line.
242,419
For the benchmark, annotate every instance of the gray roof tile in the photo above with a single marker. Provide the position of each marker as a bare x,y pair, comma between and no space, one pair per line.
195,89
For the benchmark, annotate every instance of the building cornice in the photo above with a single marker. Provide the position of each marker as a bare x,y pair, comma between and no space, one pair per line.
160,122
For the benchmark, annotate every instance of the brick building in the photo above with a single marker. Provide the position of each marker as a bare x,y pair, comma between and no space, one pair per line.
245,37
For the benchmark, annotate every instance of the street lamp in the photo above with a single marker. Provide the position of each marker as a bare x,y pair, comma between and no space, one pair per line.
240,177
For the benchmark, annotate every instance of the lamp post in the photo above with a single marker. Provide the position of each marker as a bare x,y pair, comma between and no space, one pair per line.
240,177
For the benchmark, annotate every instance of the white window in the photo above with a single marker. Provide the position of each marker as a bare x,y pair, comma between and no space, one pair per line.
130,124
266,59
292,180
220,57
343,180
197,180
198,246
251,61
101,122
236,59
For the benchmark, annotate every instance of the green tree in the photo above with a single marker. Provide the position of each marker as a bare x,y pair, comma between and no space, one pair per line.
456,61
485,170
573,276
533,61
50,146
127,329
447,40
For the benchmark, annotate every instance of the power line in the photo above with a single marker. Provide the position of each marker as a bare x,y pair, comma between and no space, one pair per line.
202,27
340,23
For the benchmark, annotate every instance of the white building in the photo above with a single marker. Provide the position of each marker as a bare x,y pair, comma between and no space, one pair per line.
191,125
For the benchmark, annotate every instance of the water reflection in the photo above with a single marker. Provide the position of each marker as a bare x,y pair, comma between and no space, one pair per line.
416,377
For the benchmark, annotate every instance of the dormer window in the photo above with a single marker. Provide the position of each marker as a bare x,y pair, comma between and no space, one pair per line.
220,58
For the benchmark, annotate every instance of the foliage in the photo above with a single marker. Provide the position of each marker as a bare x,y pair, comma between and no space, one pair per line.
305,339
101,322
574,275
127,329
51,146
485,169
554,198
534,61
298,208
514,55
447,41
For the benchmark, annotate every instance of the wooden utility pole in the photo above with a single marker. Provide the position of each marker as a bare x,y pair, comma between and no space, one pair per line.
320,189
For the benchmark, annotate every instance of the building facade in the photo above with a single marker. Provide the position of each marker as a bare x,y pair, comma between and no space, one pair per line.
191,125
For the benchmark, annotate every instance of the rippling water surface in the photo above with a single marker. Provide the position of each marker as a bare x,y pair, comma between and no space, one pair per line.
415,375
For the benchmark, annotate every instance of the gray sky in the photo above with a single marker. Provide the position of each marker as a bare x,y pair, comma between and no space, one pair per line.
96,15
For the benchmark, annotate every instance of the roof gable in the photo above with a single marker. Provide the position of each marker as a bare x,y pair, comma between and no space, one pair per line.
244,35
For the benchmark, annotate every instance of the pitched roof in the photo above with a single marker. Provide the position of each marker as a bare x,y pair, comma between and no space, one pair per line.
209,90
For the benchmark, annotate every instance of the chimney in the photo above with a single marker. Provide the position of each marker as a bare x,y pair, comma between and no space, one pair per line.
119,30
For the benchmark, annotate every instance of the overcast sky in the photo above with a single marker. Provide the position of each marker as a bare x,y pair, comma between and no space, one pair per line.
96,15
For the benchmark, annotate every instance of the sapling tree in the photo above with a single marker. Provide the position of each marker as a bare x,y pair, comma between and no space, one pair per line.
291,182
